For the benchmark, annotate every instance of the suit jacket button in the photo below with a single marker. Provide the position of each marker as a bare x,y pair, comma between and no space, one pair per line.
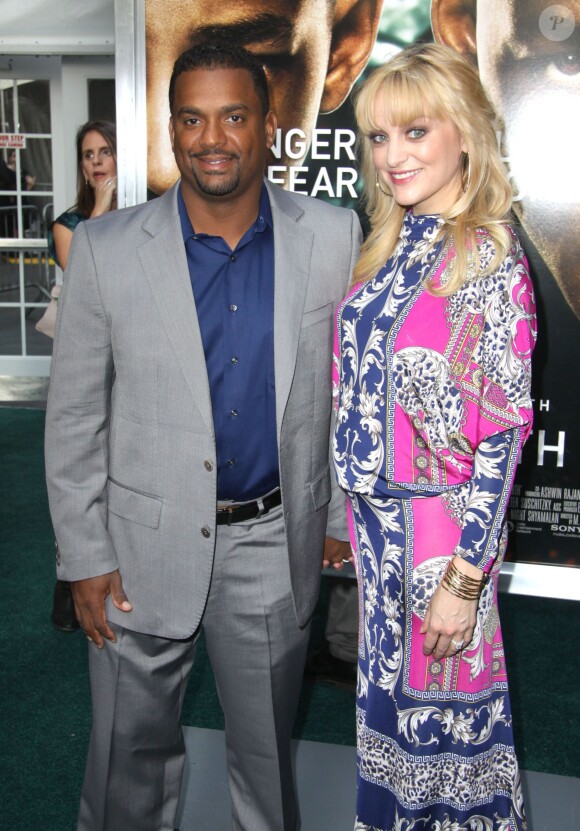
208,465
205,532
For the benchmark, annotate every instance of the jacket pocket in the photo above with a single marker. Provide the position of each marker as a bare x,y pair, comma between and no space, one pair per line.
142,508
320,489
317,315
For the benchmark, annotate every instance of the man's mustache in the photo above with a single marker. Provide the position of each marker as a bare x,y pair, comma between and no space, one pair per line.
213,152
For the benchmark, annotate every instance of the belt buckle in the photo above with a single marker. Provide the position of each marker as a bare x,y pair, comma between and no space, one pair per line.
261,508
227,509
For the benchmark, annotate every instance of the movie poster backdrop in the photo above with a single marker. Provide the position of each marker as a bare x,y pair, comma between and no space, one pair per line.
528,57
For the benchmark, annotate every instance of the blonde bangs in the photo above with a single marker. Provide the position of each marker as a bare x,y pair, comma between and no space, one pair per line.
404,99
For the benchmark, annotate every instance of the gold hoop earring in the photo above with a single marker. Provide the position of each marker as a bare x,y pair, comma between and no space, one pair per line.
378,185
465,187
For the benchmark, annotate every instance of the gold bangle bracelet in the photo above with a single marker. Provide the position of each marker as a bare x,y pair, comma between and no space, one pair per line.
452,568
458,591
461,585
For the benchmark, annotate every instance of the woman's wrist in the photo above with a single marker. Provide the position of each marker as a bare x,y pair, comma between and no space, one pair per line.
100,210
467,568
467,586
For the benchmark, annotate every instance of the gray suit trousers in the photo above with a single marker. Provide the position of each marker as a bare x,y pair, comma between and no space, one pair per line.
257,652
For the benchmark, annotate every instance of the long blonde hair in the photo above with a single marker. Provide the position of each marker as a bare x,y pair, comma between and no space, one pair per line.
430,80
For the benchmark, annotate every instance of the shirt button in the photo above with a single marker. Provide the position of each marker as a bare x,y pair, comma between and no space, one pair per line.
234,360
233,413
205,532
233,258
233,308
208,465
231,462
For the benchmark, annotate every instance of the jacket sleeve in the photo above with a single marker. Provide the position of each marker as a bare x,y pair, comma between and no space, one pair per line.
509,339
487,497
77,421
337,526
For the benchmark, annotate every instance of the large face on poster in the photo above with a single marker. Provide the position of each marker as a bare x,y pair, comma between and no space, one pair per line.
528,58
527,52
313,51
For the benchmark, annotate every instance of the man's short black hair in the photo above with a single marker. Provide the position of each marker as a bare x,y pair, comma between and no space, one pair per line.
221,55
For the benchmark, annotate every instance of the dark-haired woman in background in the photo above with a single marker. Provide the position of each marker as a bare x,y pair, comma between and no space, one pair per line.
432,385
96,148
96,185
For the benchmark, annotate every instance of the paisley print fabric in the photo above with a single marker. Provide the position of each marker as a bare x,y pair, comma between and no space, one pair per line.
433,405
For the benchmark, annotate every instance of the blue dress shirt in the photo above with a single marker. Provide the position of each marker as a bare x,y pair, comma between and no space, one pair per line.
234,297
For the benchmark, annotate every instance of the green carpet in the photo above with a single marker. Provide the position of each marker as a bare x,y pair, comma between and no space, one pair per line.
45,711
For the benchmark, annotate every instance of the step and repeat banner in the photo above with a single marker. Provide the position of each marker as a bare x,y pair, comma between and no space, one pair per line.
528,55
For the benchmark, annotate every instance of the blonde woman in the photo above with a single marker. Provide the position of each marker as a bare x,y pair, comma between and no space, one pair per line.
433,402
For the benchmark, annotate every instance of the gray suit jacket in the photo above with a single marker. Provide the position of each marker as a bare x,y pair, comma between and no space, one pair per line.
130,445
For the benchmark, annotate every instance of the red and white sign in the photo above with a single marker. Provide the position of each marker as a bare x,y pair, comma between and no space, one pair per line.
13,140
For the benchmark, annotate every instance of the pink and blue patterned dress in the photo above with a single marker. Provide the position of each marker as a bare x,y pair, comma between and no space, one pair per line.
432,408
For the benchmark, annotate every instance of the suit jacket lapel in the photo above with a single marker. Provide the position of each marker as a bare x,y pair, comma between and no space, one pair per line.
292,262
164,262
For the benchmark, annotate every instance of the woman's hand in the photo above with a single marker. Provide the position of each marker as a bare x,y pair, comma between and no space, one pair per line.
105,196
450,620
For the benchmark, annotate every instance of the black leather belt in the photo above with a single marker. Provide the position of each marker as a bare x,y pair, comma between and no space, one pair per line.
240,511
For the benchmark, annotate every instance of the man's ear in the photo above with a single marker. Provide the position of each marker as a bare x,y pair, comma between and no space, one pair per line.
453,23
270,126
354,31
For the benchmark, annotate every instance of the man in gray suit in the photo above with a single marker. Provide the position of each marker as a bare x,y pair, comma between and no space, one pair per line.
187,452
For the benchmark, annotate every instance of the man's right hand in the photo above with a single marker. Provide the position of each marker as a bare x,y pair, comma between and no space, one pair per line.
89,597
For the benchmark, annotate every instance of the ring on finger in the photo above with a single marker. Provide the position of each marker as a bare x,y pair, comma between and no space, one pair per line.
345,560
457,644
